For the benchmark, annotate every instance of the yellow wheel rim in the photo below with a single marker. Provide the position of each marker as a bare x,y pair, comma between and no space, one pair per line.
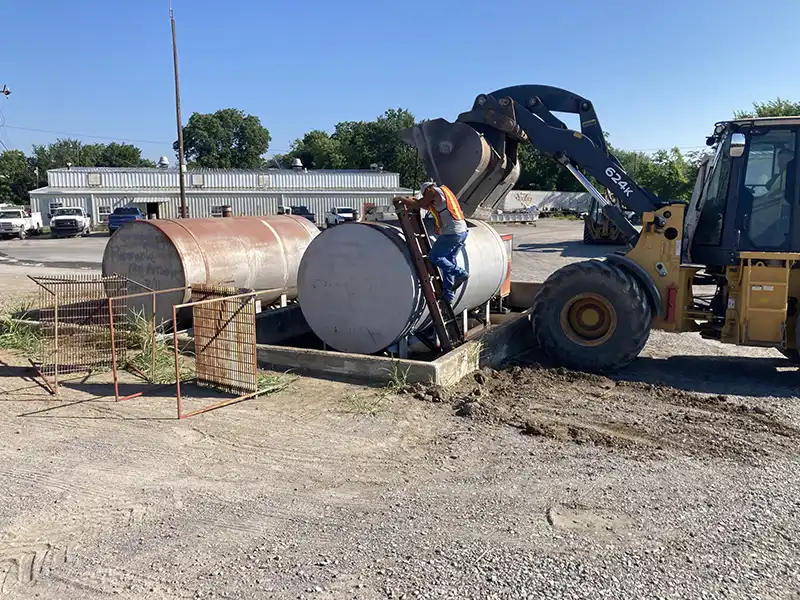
588,319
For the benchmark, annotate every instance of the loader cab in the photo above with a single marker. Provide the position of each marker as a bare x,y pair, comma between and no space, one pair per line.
750,199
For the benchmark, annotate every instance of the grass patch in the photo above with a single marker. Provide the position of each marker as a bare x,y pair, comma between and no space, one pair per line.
141,348
270,383
398,378
363,404
19,336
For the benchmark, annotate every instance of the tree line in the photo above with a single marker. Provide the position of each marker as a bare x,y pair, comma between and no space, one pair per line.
229,138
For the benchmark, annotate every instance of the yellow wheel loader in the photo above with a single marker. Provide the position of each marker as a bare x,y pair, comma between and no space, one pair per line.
725,265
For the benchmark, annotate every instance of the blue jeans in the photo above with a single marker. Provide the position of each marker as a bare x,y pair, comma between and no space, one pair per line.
443,255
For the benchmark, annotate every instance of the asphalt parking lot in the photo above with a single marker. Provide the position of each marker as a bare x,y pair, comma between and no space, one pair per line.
39,251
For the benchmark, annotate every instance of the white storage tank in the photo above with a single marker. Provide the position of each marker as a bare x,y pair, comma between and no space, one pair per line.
359,292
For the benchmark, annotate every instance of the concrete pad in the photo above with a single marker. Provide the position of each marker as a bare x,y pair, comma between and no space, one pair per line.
341,365
487,349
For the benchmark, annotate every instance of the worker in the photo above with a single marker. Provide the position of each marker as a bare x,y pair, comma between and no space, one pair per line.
451,230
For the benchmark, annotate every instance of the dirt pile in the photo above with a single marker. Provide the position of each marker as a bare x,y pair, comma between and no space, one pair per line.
584,408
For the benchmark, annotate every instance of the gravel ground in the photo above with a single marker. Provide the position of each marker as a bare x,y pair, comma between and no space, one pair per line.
677,479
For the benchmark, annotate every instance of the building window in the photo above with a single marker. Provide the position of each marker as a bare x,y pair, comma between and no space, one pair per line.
54,205
94,179
216,211
102,213
198,180
264,181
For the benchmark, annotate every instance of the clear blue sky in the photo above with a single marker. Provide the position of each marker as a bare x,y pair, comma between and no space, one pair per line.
660,73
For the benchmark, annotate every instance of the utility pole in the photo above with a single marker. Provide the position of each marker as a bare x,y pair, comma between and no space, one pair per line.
181,159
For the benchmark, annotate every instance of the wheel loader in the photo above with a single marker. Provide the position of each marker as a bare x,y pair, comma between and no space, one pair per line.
725,264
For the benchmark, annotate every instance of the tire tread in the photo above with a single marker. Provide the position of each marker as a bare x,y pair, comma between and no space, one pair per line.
616,354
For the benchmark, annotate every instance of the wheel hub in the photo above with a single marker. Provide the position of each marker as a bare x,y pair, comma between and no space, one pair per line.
588,319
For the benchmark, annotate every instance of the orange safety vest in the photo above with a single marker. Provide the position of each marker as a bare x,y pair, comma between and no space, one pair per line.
451,205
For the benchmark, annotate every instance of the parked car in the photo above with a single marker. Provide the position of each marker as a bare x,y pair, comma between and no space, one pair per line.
69,221
381,213
302,211
19,222
340,214
122,215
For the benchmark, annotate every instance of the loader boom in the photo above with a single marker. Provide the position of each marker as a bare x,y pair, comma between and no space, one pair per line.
477,155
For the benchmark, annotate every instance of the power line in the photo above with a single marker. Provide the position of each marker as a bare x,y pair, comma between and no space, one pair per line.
86,135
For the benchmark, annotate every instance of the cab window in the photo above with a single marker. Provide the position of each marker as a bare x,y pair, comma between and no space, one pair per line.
769,189
709,225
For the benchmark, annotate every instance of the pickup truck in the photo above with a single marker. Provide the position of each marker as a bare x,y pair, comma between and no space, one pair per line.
381,214
122,215
340,214
69,221
18,222
301,211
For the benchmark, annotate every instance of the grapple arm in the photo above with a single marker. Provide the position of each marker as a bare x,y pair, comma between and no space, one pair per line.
477,155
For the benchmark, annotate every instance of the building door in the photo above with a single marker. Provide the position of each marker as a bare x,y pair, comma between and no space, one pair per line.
152,210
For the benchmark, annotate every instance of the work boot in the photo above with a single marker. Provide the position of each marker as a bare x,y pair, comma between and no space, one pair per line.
459,280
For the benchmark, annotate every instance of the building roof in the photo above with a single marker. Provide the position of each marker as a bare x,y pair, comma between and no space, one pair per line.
146,191
102,179
211,171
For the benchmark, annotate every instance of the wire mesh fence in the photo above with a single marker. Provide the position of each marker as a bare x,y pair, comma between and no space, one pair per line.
90,324
224,327
75,314
224,324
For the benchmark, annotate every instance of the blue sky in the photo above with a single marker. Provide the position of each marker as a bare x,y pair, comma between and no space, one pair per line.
660,73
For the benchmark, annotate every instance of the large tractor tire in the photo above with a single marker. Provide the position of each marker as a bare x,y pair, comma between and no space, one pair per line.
592,316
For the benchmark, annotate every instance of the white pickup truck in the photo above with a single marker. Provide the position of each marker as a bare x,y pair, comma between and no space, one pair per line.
68,221
18,222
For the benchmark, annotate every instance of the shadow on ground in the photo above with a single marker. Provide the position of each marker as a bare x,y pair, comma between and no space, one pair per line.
727,375
722,375
569,249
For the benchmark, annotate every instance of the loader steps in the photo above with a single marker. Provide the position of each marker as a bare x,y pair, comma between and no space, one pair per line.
444,319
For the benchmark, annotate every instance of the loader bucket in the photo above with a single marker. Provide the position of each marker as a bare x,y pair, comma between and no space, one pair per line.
479,167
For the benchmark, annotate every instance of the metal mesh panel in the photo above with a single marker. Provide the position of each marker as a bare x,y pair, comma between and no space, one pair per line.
225,339
75,315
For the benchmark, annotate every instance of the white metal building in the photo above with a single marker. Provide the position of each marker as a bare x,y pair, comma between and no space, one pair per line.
156,191
524,199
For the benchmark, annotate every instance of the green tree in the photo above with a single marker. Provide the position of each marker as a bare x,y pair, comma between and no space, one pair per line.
225,139
316,150
773,108
361,144
122,155
16,177
65,152
539,172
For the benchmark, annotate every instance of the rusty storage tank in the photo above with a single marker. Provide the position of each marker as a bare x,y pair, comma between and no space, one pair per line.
359,292
249,252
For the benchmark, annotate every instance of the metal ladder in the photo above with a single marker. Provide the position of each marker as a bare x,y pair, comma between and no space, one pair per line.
444,319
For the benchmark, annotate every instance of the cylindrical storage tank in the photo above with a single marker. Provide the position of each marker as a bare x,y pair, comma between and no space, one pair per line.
257,253
359,292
